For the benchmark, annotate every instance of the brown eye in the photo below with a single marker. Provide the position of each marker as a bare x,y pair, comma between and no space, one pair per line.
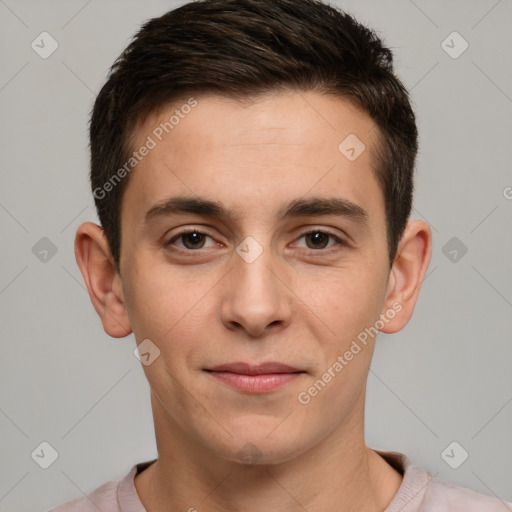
190,240
193,240
317,240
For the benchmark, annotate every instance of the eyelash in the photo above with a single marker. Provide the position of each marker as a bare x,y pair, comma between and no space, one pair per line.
183,233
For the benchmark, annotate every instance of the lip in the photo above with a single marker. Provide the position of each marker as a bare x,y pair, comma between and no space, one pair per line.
259,369
260,378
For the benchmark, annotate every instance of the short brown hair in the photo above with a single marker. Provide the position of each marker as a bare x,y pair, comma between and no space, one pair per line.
239,49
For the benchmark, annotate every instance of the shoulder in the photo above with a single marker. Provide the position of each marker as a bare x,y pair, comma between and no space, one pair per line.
421,492
450,497
114,496
102,498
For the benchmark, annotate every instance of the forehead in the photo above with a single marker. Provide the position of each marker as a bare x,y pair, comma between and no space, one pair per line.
256,155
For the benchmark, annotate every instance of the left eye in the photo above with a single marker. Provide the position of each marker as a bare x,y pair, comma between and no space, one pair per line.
319,239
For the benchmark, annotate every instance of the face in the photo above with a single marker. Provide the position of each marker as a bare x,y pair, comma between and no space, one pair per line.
284,262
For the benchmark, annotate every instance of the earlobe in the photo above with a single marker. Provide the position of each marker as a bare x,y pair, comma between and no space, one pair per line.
98,270
407,274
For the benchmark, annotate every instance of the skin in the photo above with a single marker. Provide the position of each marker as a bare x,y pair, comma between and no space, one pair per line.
300,302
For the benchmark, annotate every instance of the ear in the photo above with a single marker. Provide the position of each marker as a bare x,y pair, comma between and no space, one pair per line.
407,274
103,282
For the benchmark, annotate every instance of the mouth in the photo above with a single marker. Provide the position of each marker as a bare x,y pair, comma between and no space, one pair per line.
260,378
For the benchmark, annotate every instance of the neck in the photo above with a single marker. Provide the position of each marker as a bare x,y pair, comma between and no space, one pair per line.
339,473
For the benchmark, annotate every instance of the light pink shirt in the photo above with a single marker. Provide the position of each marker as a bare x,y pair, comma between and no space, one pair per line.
419,492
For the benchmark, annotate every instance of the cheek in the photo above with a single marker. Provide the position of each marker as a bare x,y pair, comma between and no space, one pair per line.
349,305
346,301
163,301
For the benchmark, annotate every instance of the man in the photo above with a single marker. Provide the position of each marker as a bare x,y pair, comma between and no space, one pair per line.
252,166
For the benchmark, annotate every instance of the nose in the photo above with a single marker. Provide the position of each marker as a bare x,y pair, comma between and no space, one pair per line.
256,297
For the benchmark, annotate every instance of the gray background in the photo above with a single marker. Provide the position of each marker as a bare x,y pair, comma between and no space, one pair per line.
446,377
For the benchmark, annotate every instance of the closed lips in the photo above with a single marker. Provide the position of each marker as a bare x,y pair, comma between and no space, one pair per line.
261,369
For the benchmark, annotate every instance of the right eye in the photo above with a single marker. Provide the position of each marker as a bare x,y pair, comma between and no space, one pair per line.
191,240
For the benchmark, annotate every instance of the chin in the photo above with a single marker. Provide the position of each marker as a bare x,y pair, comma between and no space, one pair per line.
265,445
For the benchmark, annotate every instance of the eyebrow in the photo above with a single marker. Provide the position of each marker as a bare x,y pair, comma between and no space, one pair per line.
303,207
